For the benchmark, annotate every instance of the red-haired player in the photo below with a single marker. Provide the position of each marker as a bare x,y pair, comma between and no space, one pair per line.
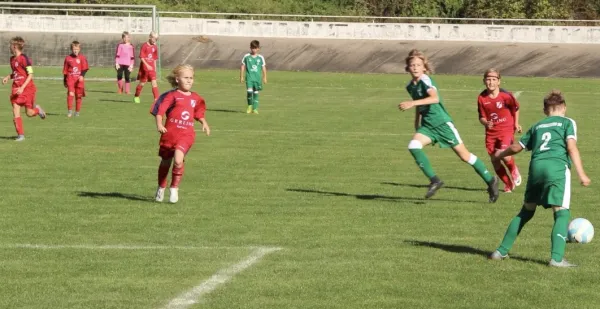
181,106
23,88
147,71
499,113
74,70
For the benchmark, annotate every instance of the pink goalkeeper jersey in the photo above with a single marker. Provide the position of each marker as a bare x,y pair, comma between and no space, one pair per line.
125,54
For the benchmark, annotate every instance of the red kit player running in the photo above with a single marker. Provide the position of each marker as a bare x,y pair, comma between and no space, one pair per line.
74,70
147,71
181,106
23,88
499,113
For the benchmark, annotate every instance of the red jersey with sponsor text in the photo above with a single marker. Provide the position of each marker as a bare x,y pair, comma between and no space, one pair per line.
181,110
500,110
19,65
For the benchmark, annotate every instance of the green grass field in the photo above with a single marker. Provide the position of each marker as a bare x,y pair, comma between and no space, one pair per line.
322,173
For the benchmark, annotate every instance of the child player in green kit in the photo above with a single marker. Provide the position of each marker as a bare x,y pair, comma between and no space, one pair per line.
254,73
553,145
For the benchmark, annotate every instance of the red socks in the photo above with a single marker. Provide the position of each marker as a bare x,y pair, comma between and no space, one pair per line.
69,102
120,85
155,93
501,172
18,125
78,104
176,177
138,90
163,172
511,165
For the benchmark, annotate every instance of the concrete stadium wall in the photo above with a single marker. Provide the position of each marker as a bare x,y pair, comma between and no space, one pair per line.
48,46
293,29
320,55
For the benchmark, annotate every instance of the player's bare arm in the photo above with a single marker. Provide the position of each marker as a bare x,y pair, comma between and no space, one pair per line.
159,124
27,80
431,99
576,159
147,66
518,127
205,127
242,69
417,119
510,151
486,123
264,72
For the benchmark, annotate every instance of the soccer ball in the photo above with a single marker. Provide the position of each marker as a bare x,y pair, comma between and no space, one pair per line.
581,231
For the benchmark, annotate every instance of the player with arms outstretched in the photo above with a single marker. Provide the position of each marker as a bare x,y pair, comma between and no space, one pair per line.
124,61
499,114
434,125
254,73
180,106
74,69
147,71
553,145
23,89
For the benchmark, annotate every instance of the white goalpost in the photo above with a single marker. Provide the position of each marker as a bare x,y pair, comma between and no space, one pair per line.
49,28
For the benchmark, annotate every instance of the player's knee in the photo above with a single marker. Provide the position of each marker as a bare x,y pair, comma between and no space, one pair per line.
30,112
250,90
71,93
166,162
178,163
415,144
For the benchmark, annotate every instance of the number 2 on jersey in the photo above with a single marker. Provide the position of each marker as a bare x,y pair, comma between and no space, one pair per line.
546,138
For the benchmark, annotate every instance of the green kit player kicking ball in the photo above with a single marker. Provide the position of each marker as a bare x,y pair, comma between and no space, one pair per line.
254,73
553,145
434,125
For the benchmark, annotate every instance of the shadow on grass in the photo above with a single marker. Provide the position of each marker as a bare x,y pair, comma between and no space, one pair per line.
111,195
467,250
8,137
379,196
118,101
100,91
425,186
224,110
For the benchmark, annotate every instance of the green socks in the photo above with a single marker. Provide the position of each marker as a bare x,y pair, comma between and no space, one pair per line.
514,228
559,234
255,101
422,162
249,97
480,168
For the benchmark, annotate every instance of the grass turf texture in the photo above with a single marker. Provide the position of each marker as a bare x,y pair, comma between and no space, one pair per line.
323,172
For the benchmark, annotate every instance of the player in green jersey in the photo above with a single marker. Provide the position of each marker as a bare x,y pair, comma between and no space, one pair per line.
553,146
434,125
254,73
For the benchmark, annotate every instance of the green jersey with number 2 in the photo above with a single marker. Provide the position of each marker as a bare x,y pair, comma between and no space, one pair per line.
547,140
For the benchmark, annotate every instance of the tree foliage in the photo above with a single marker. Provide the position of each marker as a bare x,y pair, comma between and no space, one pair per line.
525,9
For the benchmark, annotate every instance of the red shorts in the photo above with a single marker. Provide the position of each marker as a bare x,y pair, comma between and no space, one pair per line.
145,75
76,86
494,143
27,98
167,148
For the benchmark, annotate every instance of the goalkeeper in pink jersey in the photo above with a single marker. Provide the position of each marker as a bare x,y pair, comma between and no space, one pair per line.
124,61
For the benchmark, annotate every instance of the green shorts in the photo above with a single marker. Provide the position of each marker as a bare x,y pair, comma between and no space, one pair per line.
549,184
255,86
445,134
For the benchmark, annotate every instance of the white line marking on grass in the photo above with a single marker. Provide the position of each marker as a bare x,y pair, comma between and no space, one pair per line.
123,247
194,295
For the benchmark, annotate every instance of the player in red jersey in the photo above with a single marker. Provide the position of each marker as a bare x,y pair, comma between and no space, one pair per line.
147,71
499,114
181,106
74,70
23,88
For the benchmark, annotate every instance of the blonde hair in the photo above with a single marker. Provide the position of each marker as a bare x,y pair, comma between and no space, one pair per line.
153,34
172,77
490,71
415,53
553,99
